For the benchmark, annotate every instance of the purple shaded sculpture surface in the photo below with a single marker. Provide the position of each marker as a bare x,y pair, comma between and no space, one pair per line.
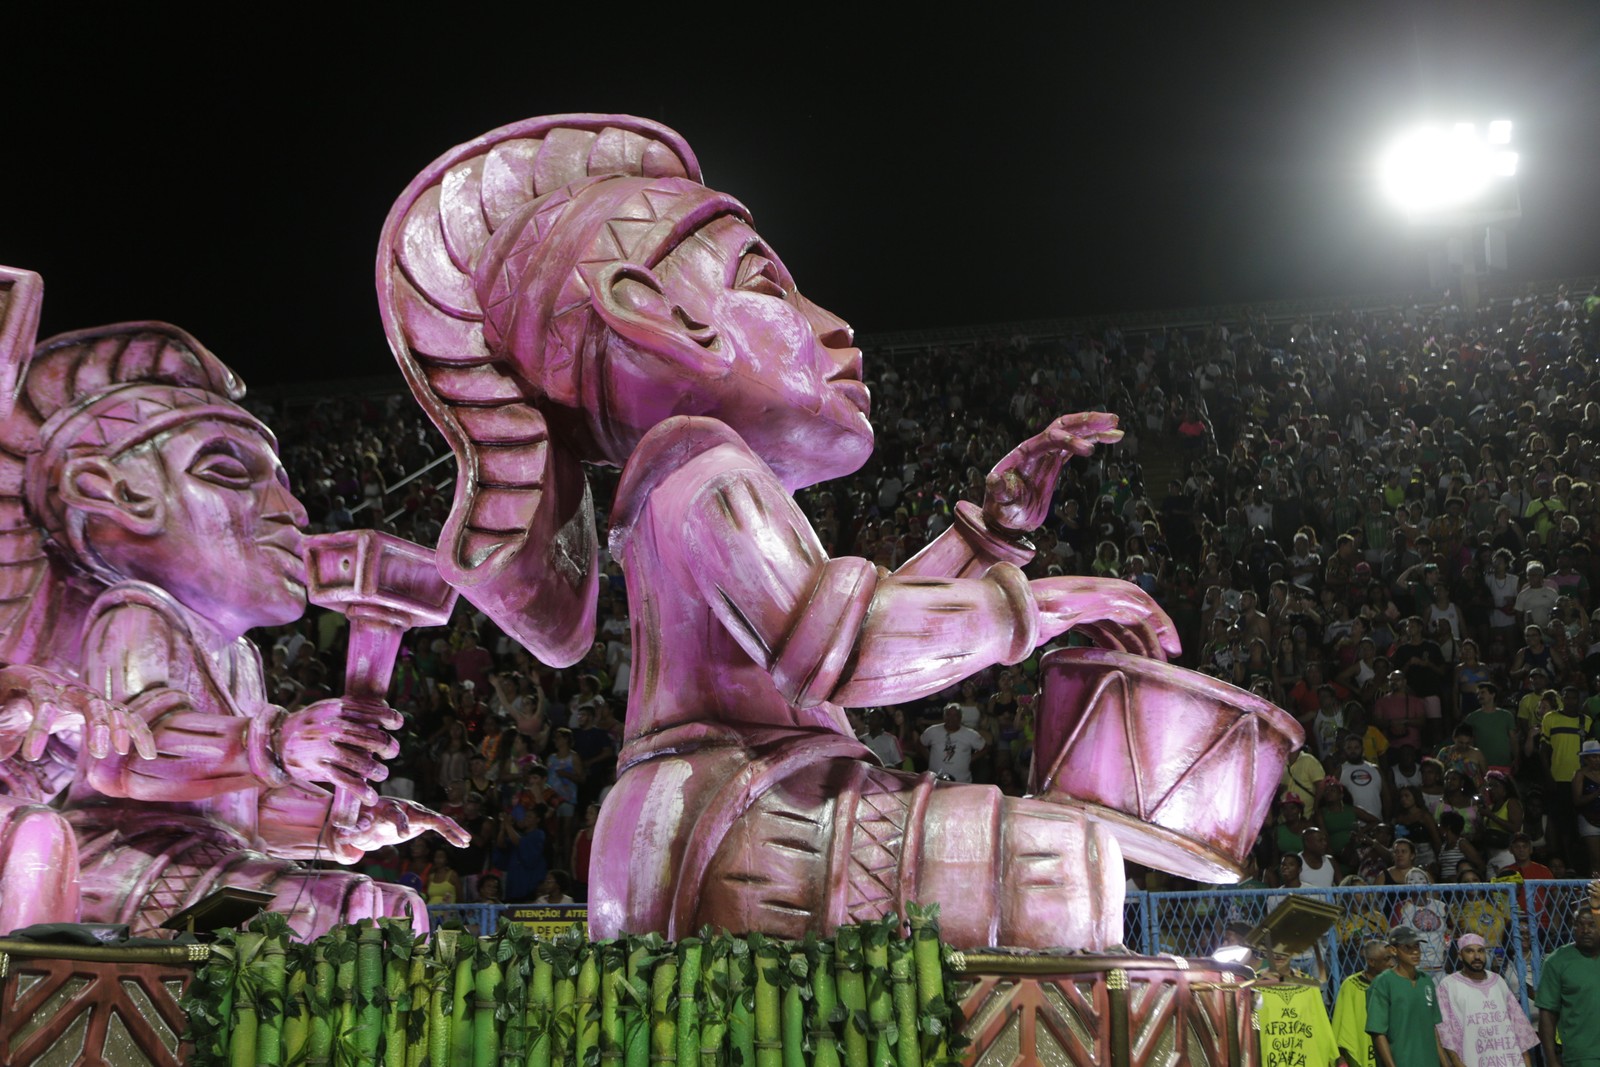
145,525
565,291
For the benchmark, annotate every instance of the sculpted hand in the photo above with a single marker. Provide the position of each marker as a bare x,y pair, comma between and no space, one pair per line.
340,745
35,703
392,821
1111,612
1017,492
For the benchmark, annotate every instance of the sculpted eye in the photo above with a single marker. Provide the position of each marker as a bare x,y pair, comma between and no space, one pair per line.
758,274
222,468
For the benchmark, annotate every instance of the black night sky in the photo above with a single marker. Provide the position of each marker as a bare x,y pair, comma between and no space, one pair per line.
231,176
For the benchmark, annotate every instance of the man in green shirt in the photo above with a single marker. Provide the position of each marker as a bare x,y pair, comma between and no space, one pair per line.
1350,1007
1569,993
1494,729
1403,1008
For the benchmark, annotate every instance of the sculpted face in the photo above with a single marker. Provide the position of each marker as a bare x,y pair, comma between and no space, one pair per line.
205,513
778,369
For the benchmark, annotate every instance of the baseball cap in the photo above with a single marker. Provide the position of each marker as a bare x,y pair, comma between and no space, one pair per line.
1405,935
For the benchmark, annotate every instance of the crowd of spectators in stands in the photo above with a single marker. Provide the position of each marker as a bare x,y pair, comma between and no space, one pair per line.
1388,522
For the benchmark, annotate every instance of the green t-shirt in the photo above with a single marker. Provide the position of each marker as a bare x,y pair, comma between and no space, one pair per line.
1406,1012
1569,985
1492,731
1350,1020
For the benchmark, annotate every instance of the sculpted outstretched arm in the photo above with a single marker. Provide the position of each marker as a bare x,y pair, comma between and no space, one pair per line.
839,630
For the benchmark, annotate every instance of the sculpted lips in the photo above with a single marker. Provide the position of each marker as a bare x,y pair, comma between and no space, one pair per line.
287,540
855,392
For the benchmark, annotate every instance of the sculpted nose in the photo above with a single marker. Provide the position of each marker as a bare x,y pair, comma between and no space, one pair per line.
835,335
280,503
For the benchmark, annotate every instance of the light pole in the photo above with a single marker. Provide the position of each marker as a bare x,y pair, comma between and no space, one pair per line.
1457,187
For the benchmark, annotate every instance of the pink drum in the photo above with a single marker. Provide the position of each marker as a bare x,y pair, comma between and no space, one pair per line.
1182,766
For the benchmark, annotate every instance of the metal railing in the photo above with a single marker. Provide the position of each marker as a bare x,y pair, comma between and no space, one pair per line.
1521,923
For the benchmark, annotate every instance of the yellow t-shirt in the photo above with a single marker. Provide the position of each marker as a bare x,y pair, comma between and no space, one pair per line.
1294,1026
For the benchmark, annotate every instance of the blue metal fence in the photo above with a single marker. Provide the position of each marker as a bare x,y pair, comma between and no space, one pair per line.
1521,923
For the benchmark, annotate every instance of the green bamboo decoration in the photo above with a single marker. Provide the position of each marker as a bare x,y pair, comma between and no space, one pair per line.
636,1005
421,1002
375,995
794,968
852,994
462,1034
297,1017
441,1002
904,978
344,985
398,942
769,1035
826,1014
714,1014
541,1008
271,969
242,1041
585,1011
320,1041
485,980
926,950
613,976
366,1002
514,952
563,1028
691,951
741,1004
880,998
663,1027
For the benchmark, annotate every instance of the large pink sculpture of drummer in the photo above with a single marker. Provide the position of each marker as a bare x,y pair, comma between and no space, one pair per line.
566,290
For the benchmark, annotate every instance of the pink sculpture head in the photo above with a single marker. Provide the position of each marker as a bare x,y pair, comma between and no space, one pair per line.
128,457
556,288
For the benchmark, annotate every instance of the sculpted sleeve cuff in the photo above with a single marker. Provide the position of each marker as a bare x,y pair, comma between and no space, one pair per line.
261,745
968,548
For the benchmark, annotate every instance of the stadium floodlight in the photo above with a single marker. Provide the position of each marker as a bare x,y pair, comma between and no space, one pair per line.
1435,169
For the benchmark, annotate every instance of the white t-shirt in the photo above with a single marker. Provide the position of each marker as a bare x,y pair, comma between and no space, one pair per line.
1502,591
950,754
1365,784
1538,603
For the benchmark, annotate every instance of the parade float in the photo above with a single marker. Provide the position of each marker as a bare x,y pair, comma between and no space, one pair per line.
561,293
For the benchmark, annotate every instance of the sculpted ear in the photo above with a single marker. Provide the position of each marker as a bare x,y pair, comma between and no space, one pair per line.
633,302
94,485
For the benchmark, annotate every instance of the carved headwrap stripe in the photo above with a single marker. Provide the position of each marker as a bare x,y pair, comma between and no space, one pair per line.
63,387
498,198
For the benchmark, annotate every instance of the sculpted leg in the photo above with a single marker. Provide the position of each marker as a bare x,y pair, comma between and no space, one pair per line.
840,841
140,868
38,866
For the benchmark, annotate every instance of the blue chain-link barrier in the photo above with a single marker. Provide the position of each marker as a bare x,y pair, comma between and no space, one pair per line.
1520,923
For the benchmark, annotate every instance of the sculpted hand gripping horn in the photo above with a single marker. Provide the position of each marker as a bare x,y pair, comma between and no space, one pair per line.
565,290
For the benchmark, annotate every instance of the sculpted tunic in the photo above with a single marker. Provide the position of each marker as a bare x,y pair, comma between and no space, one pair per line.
214,807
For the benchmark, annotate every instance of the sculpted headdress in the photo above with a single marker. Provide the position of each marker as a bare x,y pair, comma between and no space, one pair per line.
99,391
485,272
